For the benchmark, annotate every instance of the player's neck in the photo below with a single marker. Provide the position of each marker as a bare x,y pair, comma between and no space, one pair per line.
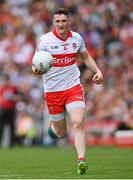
62,36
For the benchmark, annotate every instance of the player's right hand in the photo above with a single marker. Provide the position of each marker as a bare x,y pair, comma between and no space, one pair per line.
37,71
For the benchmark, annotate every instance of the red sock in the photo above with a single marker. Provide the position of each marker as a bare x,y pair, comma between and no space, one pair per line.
81,159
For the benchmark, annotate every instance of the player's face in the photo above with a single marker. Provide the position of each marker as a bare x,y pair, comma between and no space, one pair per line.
61,23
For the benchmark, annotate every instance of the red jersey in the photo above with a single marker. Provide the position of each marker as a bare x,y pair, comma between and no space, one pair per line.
7,93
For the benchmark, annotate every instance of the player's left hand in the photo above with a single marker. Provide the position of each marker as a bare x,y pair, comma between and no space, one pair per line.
98,77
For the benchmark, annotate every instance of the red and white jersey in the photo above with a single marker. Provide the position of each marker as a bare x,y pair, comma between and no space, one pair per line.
64,73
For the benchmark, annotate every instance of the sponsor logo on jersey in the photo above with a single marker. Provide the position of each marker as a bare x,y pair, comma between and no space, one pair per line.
54,47
64,45
64,60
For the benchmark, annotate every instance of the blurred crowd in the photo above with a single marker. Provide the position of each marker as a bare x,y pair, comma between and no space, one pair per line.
106,27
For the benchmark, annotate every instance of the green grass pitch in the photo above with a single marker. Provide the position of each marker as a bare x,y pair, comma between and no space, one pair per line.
60,163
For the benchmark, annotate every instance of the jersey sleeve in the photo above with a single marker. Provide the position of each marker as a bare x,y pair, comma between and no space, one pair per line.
41,45
82,46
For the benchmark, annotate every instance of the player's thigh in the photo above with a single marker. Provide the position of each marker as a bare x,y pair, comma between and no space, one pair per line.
58,121
75,103
77,115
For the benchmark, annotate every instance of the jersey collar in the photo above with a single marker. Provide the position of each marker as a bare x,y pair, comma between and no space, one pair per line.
57,35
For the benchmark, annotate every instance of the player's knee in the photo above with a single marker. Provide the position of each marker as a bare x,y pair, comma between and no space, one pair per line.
60,133
78,124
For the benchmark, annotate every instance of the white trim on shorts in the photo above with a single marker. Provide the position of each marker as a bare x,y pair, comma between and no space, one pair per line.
75,104
69,107
57,117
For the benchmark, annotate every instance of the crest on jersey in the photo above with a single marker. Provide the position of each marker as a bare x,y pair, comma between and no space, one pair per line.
74,45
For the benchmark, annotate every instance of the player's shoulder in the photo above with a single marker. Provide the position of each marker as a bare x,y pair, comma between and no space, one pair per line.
76,35
46,36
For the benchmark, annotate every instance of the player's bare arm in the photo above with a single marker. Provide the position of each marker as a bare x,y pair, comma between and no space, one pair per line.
90,63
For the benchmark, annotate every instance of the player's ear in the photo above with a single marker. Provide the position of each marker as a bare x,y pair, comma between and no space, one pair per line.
54,23
54,20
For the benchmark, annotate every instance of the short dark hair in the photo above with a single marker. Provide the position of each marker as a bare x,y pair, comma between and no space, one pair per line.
62,11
